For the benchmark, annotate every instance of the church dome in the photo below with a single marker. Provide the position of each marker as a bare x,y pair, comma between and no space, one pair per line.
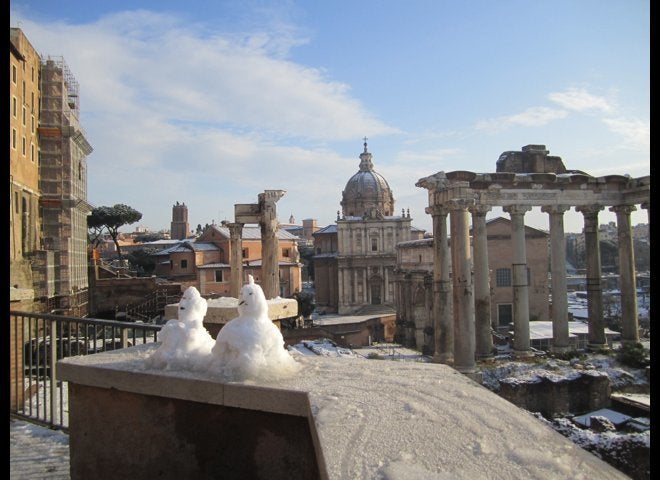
367,193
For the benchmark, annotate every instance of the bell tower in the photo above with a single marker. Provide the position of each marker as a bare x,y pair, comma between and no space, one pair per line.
179,227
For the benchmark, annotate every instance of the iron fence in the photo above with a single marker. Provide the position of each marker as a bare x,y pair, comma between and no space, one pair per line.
38,341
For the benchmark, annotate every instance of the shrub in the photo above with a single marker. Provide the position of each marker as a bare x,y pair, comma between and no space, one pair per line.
633,355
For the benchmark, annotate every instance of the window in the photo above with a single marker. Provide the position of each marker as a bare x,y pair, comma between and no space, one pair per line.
504,314
32,125
24,116
184,264
218,276
24,149
13,138
503,277
16,202
14,107
32,152
285,252
246,253
374,244
13,73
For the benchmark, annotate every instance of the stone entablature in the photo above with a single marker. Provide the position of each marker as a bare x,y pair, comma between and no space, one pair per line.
536,189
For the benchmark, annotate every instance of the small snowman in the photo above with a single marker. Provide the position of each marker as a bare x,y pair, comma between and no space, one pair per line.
250,345
185,343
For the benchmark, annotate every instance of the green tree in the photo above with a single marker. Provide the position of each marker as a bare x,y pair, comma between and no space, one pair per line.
142,261
112,219
305,303
95,228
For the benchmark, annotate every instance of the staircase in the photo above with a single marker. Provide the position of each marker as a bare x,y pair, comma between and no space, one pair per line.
148,310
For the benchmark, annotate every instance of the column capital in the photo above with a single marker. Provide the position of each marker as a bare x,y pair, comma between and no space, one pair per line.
460,203
437,210
235,228
517,209
589,210
625,209
479,209
555,209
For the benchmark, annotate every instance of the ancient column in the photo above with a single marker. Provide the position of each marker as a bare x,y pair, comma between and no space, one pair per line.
236,255
270,267
520,281
560,332
483,326
596,339
647,206
627,280
463,297
340,289
443,322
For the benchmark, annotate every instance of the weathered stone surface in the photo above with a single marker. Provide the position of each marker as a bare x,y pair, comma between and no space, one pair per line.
584,392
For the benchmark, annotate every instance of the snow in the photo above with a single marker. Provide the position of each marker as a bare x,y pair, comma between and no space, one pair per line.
249,346
37,452
185,342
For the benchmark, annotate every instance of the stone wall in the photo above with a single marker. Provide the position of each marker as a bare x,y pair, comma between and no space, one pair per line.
208,441
110,292
585,392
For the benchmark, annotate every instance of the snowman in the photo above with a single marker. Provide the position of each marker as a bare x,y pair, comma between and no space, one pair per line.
250,345
185,343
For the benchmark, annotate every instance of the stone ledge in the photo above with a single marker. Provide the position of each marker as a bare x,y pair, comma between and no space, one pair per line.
368,417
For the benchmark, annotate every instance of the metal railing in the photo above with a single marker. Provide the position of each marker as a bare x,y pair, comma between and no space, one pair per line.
38,341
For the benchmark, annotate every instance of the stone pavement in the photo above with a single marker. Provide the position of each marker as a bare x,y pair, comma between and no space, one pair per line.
37,452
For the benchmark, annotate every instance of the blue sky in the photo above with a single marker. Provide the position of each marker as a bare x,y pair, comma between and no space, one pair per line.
212,102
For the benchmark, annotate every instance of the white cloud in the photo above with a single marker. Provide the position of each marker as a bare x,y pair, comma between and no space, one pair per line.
532,117
636,133
145,64
180,113
578,99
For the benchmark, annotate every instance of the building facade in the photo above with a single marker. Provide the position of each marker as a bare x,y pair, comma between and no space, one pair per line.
24,222
48,182
355,260
205,262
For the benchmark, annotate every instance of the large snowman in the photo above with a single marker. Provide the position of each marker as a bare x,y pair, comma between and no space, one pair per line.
250,345
185,343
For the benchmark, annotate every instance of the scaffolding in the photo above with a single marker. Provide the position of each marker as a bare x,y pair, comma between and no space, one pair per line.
63,280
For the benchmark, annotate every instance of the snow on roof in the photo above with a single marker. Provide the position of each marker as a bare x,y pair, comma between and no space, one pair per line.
419,242
329,229
215,265
539,330
615,417
187,246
